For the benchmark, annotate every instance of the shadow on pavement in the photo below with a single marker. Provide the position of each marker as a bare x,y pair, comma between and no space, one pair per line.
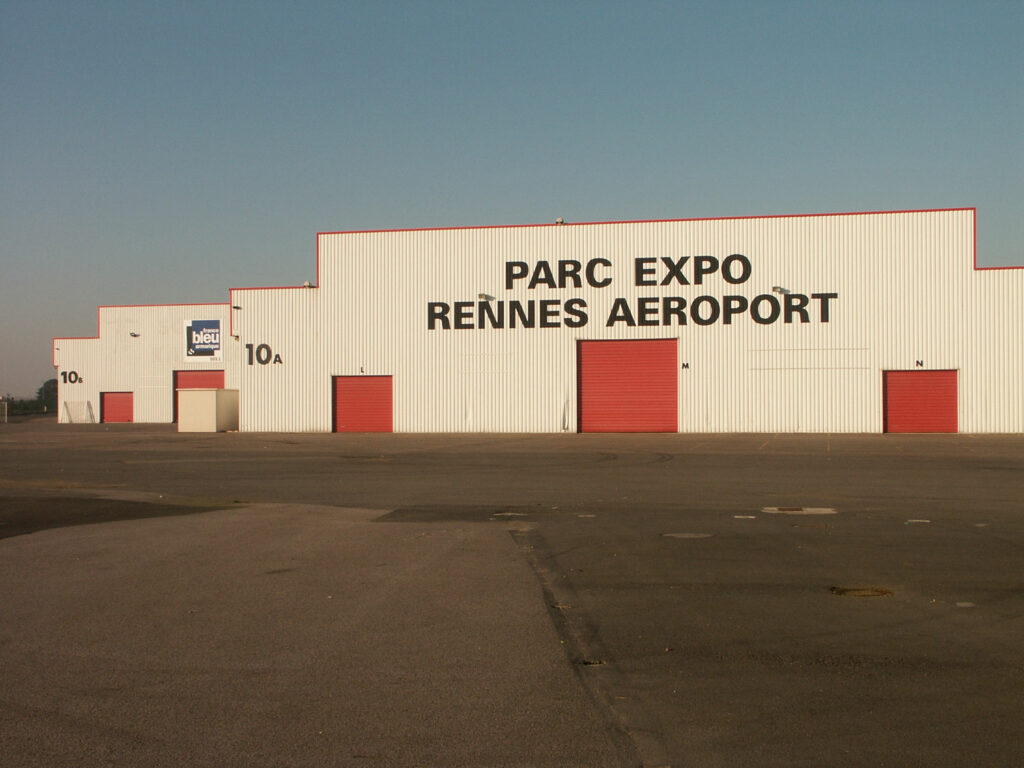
27,514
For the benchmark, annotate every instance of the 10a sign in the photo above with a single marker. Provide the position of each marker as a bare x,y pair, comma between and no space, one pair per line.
262,354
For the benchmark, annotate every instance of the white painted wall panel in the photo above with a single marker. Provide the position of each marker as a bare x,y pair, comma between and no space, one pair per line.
287,392
992,379
144,363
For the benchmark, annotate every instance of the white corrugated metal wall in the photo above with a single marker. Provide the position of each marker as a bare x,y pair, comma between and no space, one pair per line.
908,297
992,376
282,389
137,350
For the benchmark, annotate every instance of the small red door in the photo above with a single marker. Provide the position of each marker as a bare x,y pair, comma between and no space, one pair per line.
117,407
628,386
920,401
196,380
362,404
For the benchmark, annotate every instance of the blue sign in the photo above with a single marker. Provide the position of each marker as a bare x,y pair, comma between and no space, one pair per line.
202,338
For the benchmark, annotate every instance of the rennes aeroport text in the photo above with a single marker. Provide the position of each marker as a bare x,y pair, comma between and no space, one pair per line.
763,309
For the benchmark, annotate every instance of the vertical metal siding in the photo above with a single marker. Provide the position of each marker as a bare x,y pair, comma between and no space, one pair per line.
143,363
907,292
992,376
294,394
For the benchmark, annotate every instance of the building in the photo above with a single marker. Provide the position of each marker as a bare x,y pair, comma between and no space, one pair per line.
863,322
139,359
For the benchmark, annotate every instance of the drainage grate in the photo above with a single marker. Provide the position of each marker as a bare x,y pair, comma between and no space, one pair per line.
860,591
798,510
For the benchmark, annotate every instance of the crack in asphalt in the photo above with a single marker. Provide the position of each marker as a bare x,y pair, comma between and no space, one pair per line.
591,662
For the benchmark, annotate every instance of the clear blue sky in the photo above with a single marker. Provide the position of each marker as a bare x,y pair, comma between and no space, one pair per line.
156,152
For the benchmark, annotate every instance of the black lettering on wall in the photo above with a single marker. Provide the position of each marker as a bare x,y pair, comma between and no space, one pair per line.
515,270
824,299
575,316
542,275
705,301
703,265
675,270
495,315
437,312
592,278
647,310
733,305
744,267
549,313
773,306
621,313
673,306
463,315
795,304
569,271
517,316
641,269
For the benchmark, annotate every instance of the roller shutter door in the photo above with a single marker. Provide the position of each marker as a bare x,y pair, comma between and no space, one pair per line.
920,401
627,386
196,380
117,407
362,404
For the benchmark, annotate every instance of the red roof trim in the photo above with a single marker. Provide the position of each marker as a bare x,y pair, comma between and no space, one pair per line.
987,269
972,210
647,221
231,291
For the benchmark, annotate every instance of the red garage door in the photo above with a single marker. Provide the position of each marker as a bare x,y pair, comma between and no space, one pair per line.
627,386
116,407
920,401
196,380
362,404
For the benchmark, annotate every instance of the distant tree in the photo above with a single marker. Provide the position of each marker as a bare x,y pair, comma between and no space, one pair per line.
21,407
47,395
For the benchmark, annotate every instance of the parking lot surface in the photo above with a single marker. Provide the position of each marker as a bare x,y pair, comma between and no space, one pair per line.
486,600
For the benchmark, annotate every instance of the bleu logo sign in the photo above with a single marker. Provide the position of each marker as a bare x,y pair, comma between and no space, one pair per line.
202,339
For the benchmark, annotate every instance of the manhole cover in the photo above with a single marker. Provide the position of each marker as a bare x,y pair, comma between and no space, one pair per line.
860,591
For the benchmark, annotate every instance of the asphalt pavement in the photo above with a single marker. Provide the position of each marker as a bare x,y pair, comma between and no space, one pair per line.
489,600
